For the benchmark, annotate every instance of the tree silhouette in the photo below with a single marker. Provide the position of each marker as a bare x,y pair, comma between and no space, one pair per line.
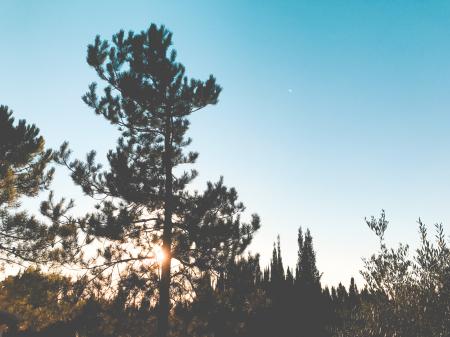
23,159
145,200
308,274
408,296
311,305
23,173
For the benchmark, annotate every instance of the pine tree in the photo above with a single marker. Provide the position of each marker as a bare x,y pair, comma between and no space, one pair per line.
23,173
39,299
23,160
144,197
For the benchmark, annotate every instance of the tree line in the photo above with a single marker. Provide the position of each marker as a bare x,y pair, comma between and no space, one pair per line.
155,258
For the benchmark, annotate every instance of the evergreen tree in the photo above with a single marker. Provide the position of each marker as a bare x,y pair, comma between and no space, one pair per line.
37,299
23,173
334,296
342,294
353,293
299,252
289,278
311,300
238,305
277,293
308,274
276,265
144,196
23,160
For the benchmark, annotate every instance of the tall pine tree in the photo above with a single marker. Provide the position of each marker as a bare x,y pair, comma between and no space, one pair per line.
144,197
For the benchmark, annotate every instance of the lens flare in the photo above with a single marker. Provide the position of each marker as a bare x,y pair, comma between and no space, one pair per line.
159,254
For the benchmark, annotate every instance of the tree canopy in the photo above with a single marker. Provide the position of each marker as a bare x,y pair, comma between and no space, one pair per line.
145,201
24,172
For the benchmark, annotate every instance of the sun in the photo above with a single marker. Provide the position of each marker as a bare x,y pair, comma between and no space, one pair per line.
159,254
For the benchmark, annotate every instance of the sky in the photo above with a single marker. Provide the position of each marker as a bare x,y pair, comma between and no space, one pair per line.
330,110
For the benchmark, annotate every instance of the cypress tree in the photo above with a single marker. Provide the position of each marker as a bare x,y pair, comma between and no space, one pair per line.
311,300
289,278
299,253
276,265
353,293
144,196
342,294
308,274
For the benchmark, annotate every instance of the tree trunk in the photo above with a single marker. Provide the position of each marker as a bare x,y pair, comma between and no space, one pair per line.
164,285
164,289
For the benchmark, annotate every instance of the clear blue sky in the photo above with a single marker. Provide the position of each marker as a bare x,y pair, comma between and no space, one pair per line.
331,110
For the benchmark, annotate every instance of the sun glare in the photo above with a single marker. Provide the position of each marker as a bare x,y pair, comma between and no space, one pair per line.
159,254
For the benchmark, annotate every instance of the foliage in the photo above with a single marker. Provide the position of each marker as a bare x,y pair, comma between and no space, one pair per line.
144,197
409,296
36,298
24,173
23,160
200,281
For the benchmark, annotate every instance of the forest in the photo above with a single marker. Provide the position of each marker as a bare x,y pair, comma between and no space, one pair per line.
156,258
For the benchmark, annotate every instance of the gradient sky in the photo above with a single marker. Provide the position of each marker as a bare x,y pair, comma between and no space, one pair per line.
331,110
